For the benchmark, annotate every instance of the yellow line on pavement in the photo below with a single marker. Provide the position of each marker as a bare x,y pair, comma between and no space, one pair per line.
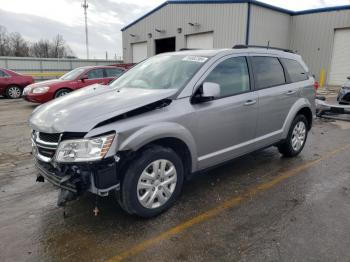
38,74
235,201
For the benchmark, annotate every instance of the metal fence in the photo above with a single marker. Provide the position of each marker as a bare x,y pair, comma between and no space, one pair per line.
48,68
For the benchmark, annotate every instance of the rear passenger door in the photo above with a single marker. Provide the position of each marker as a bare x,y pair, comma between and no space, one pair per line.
276,97
225,126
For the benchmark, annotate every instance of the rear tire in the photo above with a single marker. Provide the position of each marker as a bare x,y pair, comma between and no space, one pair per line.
152,182
13,92
296,139
62,92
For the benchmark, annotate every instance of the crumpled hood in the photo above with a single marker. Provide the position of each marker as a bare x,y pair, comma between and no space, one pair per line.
82,110
48,83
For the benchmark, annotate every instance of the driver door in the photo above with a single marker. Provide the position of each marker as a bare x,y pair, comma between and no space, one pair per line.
226,126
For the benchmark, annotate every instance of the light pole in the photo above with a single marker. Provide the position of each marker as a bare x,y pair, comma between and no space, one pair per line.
85,6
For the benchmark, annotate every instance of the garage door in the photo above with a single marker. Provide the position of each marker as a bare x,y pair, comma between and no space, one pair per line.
340,65
202,41
139,52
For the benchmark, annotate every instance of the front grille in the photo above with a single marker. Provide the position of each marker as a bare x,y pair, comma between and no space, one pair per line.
51,138
46,152
45,145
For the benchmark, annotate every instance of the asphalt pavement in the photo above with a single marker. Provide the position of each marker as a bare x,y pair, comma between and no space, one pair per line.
260,207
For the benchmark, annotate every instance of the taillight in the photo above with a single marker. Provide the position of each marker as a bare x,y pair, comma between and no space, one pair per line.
316,85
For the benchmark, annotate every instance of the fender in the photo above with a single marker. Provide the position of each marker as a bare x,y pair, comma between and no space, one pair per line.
157,131
299,104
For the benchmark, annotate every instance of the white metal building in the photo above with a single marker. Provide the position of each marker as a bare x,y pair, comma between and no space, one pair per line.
321,36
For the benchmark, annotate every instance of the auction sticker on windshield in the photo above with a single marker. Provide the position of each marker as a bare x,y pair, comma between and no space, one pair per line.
198,59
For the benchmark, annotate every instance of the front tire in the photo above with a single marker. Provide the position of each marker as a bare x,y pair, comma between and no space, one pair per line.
152,182
62,92
13,92
296,139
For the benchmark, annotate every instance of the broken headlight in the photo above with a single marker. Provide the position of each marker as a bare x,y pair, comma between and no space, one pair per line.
82,150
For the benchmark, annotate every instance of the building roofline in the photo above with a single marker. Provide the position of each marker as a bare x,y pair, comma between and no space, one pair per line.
254,2
322,10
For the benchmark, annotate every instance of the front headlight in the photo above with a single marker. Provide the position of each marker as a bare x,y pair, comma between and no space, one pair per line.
82,150
40,90
27,90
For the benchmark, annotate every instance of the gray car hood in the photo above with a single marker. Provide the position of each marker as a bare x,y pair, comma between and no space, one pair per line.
82,110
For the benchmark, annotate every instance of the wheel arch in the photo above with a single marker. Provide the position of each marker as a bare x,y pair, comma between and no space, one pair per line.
62,88
170,135
302,106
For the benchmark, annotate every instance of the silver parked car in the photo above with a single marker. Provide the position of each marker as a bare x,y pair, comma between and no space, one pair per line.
172,115
344,93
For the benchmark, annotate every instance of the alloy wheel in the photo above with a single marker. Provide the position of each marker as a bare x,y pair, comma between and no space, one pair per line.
14,92
63,93
157,184
298,136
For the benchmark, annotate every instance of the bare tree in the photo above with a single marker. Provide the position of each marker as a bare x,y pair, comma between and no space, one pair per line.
4,42
41,49
15,45
58,46
19,46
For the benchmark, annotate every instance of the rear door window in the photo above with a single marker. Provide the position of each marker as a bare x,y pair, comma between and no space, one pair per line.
95,73
3,74
295,71
113,72
268,72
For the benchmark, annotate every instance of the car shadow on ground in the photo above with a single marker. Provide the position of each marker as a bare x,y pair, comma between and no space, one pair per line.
200,193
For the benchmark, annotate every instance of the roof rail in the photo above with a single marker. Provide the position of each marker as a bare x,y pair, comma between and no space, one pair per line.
185,49
261,46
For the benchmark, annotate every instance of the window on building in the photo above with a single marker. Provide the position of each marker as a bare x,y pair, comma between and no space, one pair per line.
268,72
232,75
295,71
114,72
95,73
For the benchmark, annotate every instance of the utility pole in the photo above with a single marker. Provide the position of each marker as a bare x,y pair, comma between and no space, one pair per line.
85,6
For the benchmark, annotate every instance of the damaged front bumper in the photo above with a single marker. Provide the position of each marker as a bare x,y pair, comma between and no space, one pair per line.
98,177
344,95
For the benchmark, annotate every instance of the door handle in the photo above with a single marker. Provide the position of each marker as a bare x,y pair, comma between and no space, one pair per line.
250,102
290,92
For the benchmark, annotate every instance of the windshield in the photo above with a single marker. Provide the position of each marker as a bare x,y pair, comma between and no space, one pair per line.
71,75
161,72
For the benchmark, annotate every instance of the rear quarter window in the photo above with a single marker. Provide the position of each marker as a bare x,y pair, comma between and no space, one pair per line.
268,72
294,69
3,74
113,72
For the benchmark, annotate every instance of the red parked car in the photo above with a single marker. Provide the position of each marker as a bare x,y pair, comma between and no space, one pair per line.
12,83
44,91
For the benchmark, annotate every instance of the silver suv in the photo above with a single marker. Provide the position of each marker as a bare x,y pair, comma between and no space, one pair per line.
172,115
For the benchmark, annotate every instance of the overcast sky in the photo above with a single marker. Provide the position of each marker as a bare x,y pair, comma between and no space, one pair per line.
36,19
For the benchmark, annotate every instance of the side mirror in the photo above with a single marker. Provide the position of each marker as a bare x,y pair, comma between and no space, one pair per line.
211,90
207,92
348,77
84,77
